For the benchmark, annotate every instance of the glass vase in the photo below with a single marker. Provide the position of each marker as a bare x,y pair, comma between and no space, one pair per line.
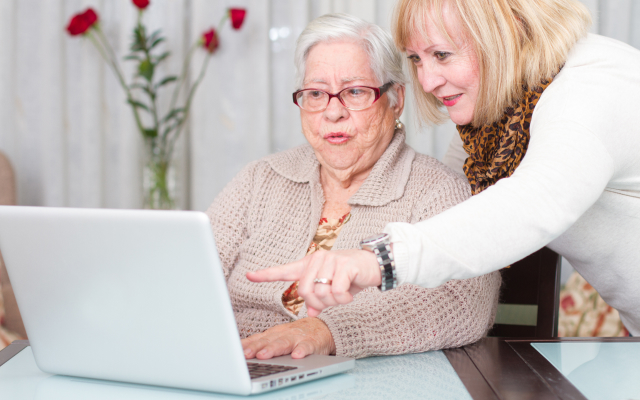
158,176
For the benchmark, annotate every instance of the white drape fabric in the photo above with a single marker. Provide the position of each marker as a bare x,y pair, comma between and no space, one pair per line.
71,137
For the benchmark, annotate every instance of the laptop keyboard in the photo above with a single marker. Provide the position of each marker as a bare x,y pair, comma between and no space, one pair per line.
257,370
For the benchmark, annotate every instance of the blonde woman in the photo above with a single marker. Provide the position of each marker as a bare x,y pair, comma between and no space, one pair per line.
547,116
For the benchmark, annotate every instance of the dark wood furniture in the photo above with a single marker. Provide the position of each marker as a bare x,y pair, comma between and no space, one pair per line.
531,282
510,368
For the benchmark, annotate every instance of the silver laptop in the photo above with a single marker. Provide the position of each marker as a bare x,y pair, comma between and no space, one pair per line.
135,296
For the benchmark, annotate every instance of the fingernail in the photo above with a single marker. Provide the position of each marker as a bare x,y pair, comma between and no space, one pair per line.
262,352
247,352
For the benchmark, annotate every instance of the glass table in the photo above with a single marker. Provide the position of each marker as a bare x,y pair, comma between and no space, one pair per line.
412,376
600,370
492,368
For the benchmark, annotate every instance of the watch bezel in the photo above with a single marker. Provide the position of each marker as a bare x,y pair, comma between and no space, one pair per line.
372,241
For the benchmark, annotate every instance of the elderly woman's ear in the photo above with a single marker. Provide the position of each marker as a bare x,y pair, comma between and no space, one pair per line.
397,109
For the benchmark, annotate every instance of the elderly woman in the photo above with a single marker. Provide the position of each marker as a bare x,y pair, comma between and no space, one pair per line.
355,176
547,118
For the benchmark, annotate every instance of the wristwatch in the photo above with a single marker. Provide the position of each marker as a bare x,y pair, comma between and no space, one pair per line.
380,245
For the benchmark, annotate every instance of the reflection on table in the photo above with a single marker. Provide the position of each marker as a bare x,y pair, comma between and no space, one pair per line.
413,376
599,370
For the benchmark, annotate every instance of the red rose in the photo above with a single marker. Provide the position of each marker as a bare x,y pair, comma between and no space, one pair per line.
237,17
80,23
90,16
141,4
210,40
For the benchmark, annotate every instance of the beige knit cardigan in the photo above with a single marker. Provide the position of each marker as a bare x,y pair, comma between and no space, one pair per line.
268,214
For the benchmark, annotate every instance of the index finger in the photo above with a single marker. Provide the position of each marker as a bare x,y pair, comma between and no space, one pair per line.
287,272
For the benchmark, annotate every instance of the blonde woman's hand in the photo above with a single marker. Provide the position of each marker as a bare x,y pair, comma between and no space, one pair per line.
348,271
299,338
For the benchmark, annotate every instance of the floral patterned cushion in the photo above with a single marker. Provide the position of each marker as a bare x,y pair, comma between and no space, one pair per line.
583,313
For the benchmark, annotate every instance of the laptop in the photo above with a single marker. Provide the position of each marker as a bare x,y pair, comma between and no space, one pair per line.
135,296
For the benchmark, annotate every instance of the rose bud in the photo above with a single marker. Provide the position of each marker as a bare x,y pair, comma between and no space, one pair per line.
210,40
141,4
237,17
80,23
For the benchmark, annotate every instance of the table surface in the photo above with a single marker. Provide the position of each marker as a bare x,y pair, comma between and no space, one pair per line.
523,368
412,376
493,368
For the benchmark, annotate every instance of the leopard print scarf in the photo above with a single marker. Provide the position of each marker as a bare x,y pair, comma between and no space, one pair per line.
495,150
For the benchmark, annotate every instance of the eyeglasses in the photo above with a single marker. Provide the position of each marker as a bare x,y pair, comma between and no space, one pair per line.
354,98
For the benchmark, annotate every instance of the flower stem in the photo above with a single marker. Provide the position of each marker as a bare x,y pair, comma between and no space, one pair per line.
102,44
183,76
222,20
187,107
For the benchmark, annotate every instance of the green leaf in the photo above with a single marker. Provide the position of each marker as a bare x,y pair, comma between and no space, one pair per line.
174,113
143,87
145,69
136,47
137,104
139,42
156,42
132,57
166,80
150,133
170,128
162,57
153,36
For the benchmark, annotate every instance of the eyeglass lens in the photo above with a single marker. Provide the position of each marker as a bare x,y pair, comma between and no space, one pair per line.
354,98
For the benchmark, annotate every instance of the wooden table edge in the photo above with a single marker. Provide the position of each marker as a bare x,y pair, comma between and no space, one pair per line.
469,374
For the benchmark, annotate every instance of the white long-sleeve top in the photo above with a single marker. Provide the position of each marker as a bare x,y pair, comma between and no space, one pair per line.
577,190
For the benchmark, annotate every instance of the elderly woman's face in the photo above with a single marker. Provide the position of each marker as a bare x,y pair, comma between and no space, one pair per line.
448,72
349,142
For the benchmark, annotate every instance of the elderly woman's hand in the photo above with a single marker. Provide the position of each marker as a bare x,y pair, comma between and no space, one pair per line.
349,272
299,338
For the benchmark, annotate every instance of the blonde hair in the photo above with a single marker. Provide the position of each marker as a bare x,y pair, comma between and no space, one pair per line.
516,42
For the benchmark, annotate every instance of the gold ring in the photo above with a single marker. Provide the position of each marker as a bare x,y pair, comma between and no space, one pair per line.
322,280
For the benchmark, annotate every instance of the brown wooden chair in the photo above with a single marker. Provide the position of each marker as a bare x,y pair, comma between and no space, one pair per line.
13,320
529,297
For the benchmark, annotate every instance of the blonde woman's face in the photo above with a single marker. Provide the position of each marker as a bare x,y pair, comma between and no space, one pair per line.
448,71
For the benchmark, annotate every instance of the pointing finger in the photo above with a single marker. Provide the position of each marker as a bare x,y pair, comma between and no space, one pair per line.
312,312
286,272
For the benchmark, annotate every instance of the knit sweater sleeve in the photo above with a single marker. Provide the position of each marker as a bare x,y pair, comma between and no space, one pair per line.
228,216
413,319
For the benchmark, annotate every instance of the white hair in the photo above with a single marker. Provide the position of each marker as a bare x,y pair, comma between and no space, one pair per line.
384,57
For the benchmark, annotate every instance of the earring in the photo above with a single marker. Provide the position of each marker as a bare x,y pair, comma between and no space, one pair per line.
399,125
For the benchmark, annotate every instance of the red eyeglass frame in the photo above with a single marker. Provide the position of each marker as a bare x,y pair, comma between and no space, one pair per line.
379,91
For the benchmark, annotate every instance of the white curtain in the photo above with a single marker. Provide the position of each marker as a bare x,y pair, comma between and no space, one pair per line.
71,137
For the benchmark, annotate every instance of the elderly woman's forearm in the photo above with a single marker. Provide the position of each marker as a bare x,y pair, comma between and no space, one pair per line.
411,319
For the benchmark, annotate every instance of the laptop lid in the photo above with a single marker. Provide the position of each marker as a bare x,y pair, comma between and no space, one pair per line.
126,295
